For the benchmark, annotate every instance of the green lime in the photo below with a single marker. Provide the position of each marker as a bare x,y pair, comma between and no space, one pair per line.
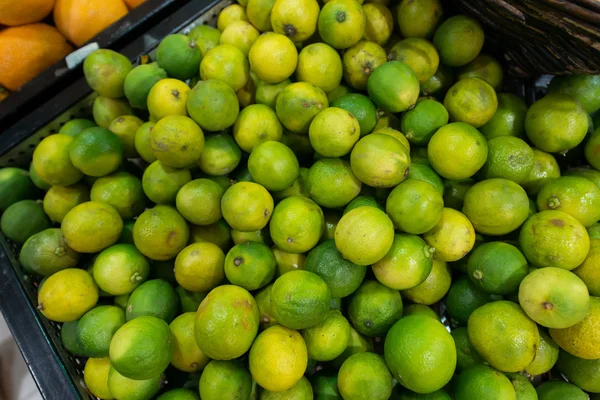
361,107
121,190
153,298
324,385
250,265
509,158
425,173
318,64
414,206
497,268
59,200
161,183
439,83
374,308
47,252
419,54
302,390
297,224
523,387
122,387
364,373
199,267
179,55
558,390
260,236
360,61
24,219
420,123
433,288
328,339
206,36
584,88
471,100
333,132
273,165
455,191
139,82
189,301
225,380
263,301
331,182
142,142
585,172
213,105
482,382
463,298
419,309
125,127
509,119
580,372
459,40
545,169
160,233
200,192
120,269
105,110
266,93
393,87
221,155
105,72
226,63
483,67
179,394
575,195
96,151
96,377
466,355
545,355
75,126
360,201
298,104
247,206
418,18
96,328
592,149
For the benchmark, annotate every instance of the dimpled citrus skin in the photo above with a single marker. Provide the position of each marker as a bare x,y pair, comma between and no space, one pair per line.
583,339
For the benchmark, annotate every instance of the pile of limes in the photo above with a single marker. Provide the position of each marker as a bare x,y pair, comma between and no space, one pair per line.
325,210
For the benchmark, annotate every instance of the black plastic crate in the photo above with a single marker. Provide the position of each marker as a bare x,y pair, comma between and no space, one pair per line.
57,373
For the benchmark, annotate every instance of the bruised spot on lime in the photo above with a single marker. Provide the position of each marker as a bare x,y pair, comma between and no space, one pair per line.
557,222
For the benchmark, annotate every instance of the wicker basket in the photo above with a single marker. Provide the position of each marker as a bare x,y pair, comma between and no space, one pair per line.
557,37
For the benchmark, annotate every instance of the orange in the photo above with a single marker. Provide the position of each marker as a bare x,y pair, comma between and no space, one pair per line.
28,50
13,13
81,20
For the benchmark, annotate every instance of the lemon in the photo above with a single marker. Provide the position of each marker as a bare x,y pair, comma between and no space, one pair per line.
273,57
360,61
68,294
168,97
333,132
160,233
91,227
247,206
187,356
278,358
342,23
226,63
453,236
364,235
199,267
296,19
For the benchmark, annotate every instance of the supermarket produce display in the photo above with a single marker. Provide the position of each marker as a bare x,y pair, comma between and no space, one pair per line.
315,201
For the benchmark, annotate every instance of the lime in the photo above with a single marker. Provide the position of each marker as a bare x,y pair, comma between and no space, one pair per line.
273,57
584,88
418,19
360,201
226,322
364,373
455,191
105,110
240,34
204,192
95,376
122,191
420,123
278,358
139,82
318,63
189,301
379,160
545,355
374,308
577,196
432,289
523,387
419,309
342,23
122,387
226,63
250,265
105,72
90,227
230,14
331,182
24,219
419,54
187,356
75,126
206,37
256,124
360,61
581,372
497,268
509,158
68,337
96,328
503,335
120,269
260,236
509,119
362,108
439,83
453,236
297,224
298,104
263,301
47,252
364,235
298,188
273,165
420,353
393,87
380,23
592,148
247,206
556,123
161,182
302,390
178,394
481,382
496,206
463,298
221,155
213,105
266,93
406,265
585,172
154,298
555,390
545,169
581,340
168,97
357,344
471,100
459,40
160,233
483,67
415,206
333,132
466,355
588,270
125,128
300,299
177,141
426,174
200,267
327,340
554,239
142,142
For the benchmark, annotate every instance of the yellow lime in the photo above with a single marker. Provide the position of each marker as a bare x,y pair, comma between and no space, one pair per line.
379,160
161,183
247,206
230,14
364,373
226,63
419,54
59,200
418,18
125,127
296,19
453,236
471,100
91,227
459,40
432,289
160,233
187,356
297,224
240,34
360,61
333,132
202,192
273,57
342,23
213,105
52,162
199,267
168,97
298,104
122,191
380,23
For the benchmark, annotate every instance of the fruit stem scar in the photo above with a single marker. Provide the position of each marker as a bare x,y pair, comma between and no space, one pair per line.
340,16
60,251
238,261
290,240
553,202
477,274
289,30
547,305
175,93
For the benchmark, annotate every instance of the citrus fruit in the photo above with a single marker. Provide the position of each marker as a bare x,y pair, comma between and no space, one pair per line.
581,339
556,123
247,206
466,355
545,355
425,173
273,165
213,105
509,119
585,172
482,381
432,289
497,268
13,219
362,200
75,126
361,107
199,201
230,14
483,67
554,239
439,83
592,148
419,309
333,132
415,206
139,82
582,87
68,337
420,123
260,236
178,394
298,188
96,377
240,34
406,265
179,56
220,156
331,182
273,57
496,206
554,297
364,235
419,54
226,63
574,195
455,191
52,162
67,295
452,237
503,335
278,358
206,37
379,160
296,19
256,124
122,387
360,60
287,261
189,301
420,353
374,308
341,23
298,104
96,151
225,379
15,185
357,344
327,340
168,97
459,40
263,301
379,23
581,372
545,168
393,87
125,128
302,390
105,110
187,356
142,142
161,183
154,298
297,224
177,141
418,19
142,348
122,191
588,270
266,93
96,328
364,373
259,14
509,158
47,252
105,71
342,276
160,233
250,265
200,267
90,227
300,299
457,151
471,100
120,269
555,390
319,64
